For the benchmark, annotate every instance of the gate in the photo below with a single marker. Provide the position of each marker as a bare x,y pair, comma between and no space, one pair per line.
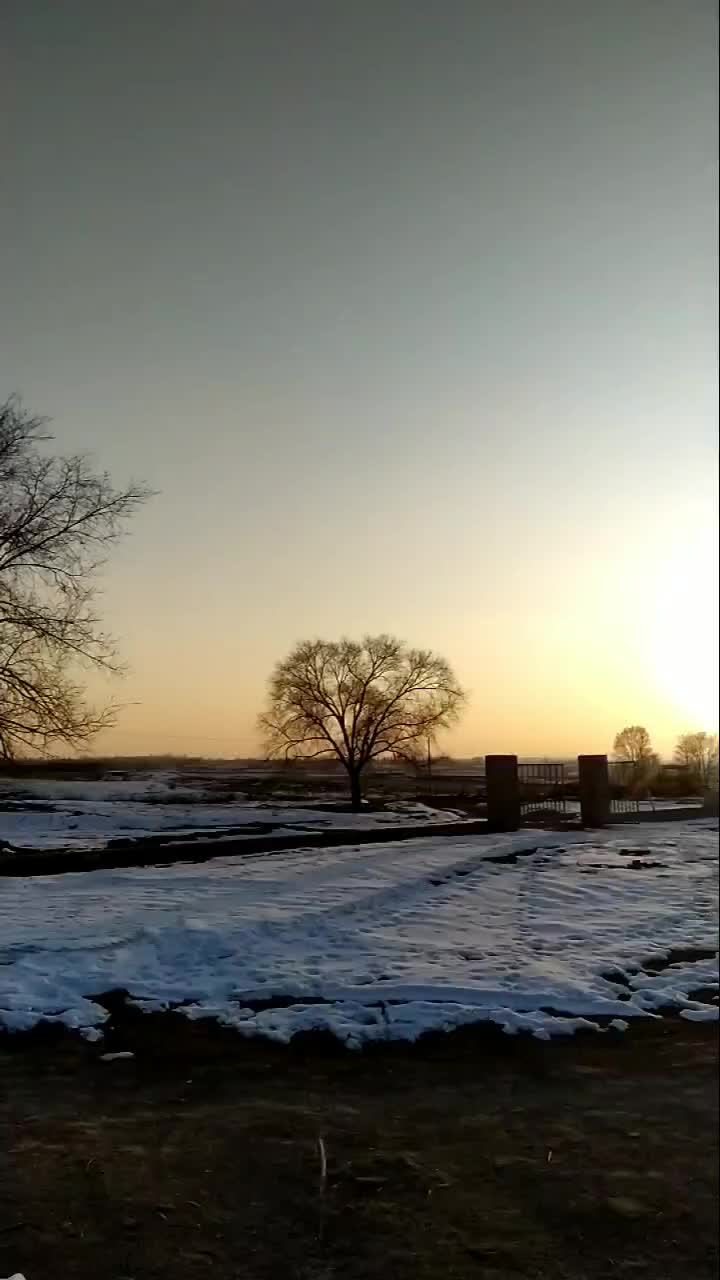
542,790
623,788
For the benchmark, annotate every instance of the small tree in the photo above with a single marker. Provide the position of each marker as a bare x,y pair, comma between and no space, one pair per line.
633,747
698,752
57,518
356,701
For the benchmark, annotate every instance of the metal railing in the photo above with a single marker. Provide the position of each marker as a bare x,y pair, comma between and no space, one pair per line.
542,788
624,787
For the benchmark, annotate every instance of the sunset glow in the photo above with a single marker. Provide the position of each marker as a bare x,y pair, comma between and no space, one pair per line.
431,351
685,630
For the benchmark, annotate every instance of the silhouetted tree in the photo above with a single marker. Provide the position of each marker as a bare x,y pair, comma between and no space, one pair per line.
699,753
633,747
632,744
57,519
356,701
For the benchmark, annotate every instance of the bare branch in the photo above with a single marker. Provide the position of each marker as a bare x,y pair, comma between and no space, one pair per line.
57,520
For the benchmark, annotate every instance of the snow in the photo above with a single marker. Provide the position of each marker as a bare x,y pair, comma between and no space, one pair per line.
378,942
673,983
86,814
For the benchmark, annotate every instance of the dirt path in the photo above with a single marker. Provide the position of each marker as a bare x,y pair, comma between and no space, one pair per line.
473,1155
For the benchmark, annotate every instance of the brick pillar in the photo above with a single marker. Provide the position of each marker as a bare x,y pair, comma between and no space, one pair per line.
594,790
503,792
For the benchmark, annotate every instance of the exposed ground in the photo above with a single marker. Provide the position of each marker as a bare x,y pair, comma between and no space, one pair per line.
468,1155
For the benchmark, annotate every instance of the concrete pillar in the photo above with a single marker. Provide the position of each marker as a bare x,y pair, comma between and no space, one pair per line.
711,807
503,792
594,782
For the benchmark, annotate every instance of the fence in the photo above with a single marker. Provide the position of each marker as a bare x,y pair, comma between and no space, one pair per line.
623,785
607,791
542,789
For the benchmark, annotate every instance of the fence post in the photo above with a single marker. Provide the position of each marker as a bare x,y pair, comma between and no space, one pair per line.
594,780
503,792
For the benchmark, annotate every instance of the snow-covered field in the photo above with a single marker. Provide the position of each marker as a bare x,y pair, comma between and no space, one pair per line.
49,814
383,941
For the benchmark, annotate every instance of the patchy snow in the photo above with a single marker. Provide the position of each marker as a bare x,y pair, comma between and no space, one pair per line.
383,941
152,787
74,814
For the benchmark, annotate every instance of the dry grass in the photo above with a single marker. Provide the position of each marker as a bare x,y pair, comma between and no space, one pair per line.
467,1156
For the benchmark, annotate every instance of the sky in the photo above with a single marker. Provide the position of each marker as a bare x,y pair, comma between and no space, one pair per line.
408,311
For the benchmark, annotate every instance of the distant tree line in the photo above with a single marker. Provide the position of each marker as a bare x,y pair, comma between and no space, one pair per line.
695,753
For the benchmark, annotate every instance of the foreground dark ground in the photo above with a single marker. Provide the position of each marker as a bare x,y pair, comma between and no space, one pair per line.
474,1155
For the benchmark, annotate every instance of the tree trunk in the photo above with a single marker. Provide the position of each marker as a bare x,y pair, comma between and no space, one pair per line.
355,790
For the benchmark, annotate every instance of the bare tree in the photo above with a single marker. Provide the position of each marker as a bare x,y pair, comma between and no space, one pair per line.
356,701
633,748
698,752
58,517
632,744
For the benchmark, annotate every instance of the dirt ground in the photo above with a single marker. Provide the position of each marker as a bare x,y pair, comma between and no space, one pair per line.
472,1155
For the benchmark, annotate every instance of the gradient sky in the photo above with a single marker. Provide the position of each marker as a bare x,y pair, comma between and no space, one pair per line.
409,310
